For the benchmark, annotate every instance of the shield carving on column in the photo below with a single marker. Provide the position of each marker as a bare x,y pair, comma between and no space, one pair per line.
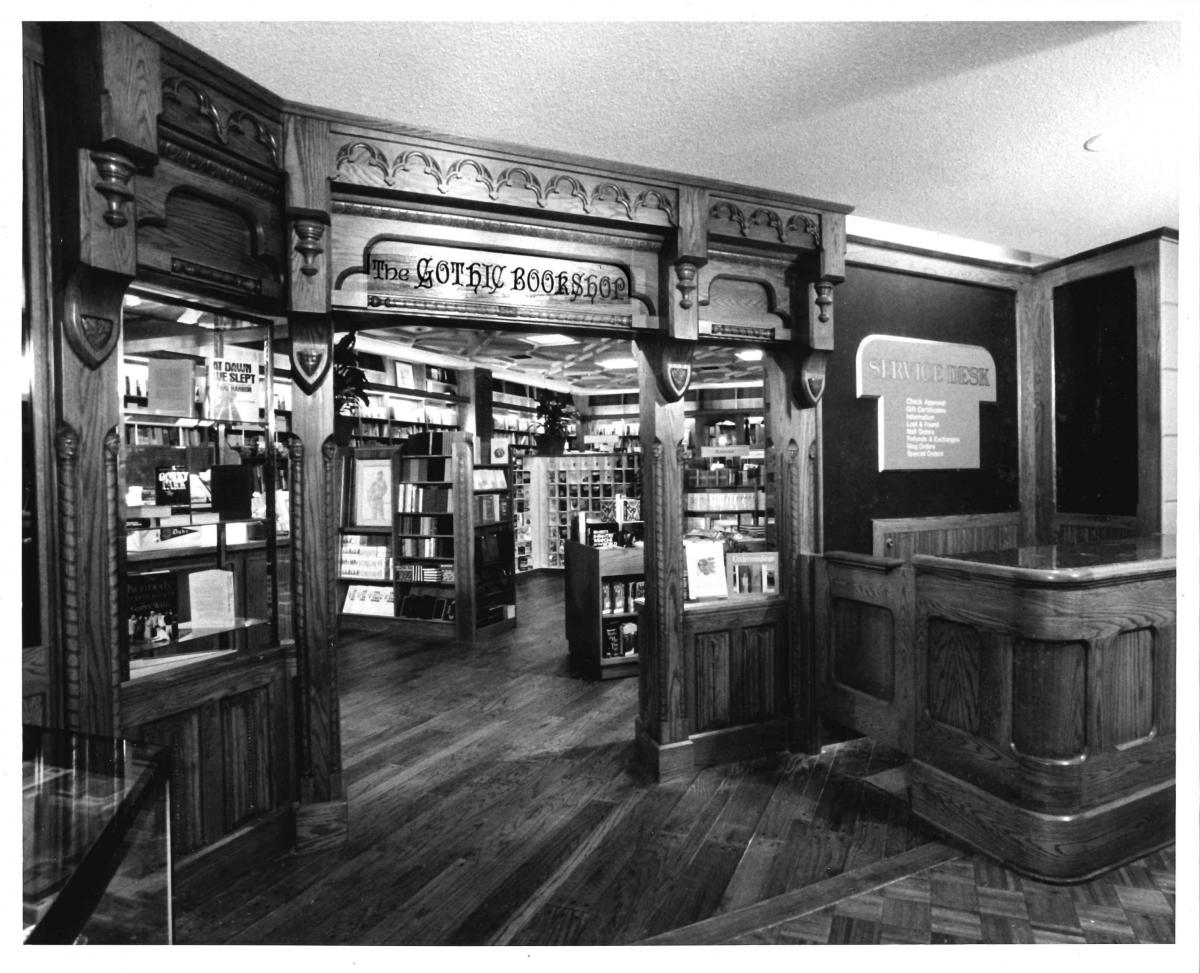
312,351
670,359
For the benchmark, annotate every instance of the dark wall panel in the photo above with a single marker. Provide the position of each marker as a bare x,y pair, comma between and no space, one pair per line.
874,301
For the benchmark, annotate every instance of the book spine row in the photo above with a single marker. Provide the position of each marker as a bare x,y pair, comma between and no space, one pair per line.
620,639
420,499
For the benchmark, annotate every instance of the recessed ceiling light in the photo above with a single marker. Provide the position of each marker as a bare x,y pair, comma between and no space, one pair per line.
549,339
612,363
750,354
132,300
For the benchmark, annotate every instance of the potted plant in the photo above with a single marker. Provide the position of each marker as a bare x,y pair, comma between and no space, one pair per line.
555,415
349,387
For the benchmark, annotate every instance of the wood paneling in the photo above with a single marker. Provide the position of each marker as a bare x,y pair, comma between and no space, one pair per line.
1048,717
905,536
1048,699
1121,683
854,625
733,654
864,634
953,663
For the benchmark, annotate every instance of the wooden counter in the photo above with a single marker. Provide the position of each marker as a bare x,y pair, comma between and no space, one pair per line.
1045,688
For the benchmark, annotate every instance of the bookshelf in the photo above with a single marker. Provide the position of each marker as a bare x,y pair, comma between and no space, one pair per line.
440,555
602,584
551,491
404,398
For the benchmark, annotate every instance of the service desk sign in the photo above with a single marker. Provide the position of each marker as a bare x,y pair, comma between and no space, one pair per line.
929,394
404,275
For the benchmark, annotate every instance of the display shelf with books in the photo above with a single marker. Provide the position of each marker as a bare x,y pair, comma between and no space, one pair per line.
427,527
602,585
205,499
406,398
556,489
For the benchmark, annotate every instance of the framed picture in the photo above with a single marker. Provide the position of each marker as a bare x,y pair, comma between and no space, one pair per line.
371,492
404,375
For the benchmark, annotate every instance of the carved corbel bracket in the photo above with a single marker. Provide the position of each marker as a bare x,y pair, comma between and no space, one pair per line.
310,236
686,271
311,338
670,360
115,172
92,302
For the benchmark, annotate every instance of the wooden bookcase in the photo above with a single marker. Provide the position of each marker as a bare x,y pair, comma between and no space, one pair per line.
601,622
405,398
443,558
552,490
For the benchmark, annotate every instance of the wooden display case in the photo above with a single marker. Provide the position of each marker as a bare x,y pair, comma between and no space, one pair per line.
601,621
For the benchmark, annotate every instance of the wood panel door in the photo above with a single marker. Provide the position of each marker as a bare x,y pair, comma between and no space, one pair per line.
864,620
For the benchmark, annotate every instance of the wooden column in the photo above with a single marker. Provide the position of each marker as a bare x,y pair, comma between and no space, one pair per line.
103,98
664,373
661,729
321,818
792,480
1035,405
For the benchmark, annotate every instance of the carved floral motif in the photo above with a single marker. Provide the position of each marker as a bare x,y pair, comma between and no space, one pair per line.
512,177
797,224
239,122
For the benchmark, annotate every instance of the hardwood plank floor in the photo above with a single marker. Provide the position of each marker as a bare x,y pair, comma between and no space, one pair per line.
495,799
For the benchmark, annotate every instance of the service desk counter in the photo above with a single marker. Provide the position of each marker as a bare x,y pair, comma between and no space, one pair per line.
1045,724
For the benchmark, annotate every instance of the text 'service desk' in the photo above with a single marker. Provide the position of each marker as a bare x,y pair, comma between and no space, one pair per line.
1045,731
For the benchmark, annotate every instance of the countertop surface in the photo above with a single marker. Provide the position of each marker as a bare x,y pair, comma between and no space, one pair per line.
1061,562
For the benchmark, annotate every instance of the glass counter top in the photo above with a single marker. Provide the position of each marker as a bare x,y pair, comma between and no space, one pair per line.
84,800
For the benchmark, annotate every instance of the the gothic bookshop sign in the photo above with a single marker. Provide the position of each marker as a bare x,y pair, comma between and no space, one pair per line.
929,394
455,280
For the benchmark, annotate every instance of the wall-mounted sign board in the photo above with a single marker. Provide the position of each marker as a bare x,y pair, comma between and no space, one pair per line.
929,394
409,276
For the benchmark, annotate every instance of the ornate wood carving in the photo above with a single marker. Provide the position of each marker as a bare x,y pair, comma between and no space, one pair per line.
211,275
311,343
66,450
662,632
113,505
727,218
115,171
297,488
200,163
238,122
330,489
569,191
91,309
309,234
670,359
685,274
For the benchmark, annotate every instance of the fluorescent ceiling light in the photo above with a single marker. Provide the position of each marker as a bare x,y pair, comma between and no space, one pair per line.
750,354
549,339
132,300
190,316
616,363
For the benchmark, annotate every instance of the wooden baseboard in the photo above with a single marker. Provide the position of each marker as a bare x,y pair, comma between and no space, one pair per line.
1050,847
268,838
734,743
664,761
322,826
